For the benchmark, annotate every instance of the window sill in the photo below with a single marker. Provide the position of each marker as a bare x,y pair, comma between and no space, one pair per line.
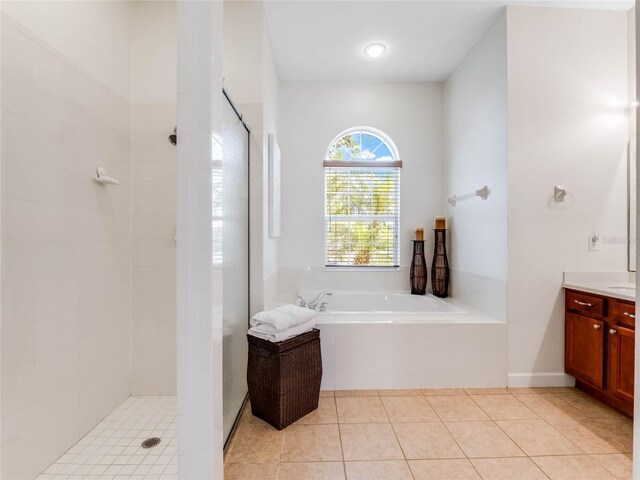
361,269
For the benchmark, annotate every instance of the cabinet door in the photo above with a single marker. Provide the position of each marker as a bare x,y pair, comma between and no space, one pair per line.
584,348
621,359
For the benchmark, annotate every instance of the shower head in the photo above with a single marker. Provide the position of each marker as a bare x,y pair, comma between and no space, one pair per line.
173,138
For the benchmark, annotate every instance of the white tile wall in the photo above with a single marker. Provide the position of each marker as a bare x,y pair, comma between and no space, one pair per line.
153,203
486,294
199,286
65,253
413,355
293,280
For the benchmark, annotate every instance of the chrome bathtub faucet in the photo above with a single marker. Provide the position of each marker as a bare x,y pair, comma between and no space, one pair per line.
314,303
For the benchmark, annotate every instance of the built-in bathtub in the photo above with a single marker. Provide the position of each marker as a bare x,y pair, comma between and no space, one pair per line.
379,340
352,307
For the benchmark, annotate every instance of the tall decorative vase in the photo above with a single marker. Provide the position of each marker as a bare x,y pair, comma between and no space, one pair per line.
440,265
418,273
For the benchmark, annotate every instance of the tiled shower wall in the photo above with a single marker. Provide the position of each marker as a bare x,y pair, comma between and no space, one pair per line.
153,207
199,285
65,253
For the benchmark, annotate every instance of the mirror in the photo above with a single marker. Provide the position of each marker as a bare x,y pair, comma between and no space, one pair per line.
631,234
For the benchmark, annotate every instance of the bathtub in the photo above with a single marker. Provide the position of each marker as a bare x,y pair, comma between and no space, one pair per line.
379,340
385,307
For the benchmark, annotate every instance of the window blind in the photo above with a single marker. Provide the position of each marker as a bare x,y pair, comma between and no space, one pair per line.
216,222
362,212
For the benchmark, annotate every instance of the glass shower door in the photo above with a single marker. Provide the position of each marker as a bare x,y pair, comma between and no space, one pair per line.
234,230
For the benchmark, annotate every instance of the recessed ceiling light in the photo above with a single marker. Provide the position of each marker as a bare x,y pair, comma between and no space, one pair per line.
374,50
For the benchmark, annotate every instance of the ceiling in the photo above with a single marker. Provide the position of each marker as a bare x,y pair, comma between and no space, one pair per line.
316,40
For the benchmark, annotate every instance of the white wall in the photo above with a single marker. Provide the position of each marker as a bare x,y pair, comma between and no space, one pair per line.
270,117
568,124
475,118
153,204
311,115
251,79
98,43
65,238
242,60
634,40
631,66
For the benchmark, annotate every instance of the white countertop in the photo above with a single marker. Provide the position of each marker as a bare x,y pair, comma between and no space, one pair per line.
608,284
623,291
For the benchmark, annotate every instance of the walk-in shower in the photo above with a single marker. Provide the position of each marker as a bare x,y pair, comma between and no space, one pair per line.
88,324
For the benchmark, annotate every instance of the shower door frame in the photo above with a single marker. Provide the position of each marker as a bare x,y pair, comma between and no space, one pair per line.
248,130
246,127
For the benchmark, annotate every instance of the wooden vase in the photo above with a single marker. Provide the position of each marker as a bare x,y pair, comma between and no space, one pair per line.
418,272
440,265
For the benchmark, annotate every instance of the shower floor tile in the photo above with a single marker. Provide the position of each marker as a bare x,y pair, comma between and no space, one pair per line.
112,449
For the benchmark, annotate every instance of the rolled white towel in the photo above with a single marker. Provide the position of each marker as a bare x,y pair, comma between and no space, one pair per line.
281,318
283,335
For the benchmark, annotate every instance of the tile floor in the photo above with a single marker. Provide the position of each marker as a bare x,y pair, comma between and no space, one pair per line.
451,434
112,451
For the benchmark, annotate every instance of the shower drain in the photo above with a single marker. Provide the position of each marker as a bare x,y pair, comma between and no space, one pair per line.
150,442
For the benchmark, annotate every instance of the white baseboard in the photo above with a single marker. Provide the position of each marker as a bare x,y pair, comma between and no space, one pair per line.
546,379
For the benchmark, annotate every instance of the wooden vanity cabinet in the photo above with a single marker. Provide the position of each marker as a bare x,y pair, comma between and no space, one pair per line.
599,347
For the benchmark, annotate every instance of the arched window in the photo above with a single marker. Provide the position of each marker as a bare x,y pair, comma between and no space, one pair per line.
362,200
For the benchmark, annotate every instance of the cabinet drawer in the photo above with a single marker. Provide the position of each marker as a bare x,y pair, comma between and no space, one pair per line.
585,303
623,313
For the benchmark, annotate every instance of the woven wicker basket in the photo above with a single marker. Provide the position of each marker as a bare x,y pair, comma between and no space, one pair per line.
284,378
